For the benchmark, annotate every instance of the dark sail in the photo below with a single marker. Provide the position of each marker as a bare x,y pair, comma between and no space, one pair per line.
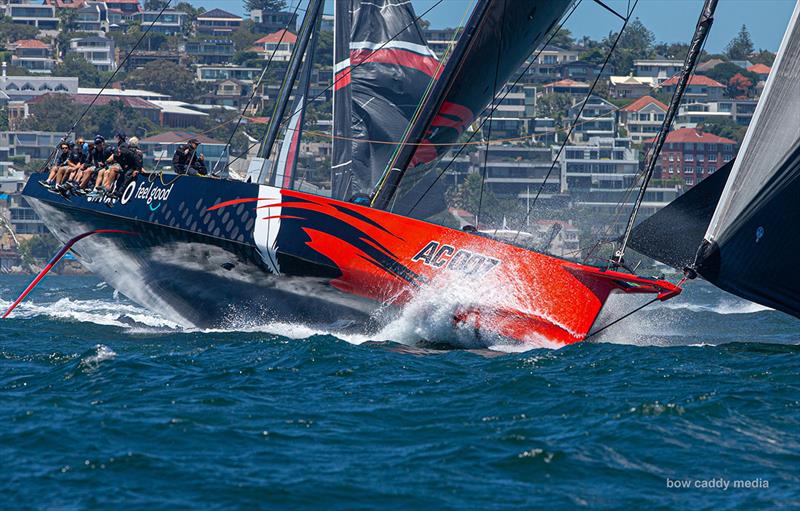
342,146
390,67
284,171
673,234
751,246
497,39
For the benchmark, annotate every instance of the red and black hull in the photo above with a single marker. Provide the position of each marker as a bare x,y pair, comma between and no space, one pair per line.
214,253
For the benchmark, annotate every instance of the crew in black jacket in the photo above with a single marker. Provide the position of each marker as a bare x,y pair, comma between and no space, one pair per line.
187,161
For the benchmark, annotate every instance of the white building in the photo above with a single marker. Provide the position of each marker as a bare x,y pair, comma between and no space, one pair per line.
660,69
98,51
643,118
33,13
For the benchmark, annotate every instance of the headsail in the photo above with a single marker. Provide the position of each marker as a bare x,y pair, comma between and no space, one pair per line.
389,66
750,248
497,39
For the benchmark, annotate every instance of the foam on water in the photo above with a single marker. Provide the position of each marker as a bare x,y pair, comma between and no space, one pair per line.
725,306
100,354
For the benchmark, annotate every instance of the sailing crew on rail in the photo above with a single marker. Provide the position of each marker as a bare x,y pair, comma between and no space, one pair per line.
75,161
60,160
128,162
98,160
187,161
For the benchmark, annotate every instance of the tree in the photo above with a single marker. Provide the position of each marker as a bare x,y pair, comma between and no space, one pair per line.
164,77
740,46
244,37
553,105
113,118
265,5
75,65
739,86
52,112
38,248
724,128
725,71
763,57
472,195
10,31
154,5
563,39
67,18
674,51
636,43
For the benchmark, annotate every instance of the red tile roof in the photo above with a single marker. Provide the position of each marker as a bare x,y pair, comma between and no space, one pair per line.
282,35
759,69
31,43
693,136
643,102
694,80
179,137
567,83
65,4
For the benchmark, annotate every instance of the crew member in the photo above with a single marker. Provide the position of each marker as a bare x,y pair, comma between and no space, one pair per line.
128,161
60,160
186,160
99,156
74,164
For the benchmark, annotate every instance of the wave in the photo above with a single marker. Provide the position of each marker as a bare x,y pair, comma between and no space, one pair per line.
724,307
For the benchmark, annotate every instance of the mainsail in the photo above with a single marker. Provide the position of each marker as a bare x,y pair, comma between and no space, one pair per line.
383,66
497,39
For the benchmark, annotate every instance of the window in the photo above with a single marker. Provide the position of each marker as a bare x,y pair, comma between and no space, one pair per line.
701,157
670,169
688,170
712,157
688,157
671,157
690,181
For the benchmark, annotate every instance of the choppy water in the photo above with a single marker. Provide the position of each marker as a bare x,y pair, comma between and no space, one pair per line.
105,405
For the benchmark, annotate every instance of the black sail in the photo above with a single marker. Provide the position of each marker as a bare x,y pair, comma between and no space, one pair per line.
497,39
386,72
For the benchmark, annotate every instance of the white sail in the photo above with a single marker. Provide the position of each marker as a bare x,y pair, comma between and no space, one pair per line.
773,132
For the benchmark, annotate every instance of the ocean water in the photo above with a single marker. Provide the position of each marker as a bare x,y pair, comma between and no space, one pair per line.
690,404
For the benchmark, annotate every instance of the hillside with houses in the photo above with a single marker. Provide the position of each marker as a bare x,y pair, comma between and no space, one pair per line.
187,73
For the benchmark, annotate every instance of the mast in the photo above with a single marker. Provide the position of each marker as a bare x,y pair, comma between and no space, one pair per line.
699,39
387,187
284,170
342,145
313,13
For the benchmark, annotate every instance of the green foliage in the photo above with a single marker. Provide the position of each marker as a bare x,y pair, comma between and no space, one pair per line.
323,55
75,65
724,128
554,105
244,36
10,31
67,19
636,43
725,71
674,51
4,119
56,112
740,46
38,248
563,39
763,57
467,196
154,5
165,77
265,5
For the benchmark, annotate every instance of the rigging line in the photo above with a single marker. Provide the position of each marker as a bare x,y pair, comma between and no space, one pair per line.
350,69
578,116
108,81
612,11
491,113
516,81
631,313
256,86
